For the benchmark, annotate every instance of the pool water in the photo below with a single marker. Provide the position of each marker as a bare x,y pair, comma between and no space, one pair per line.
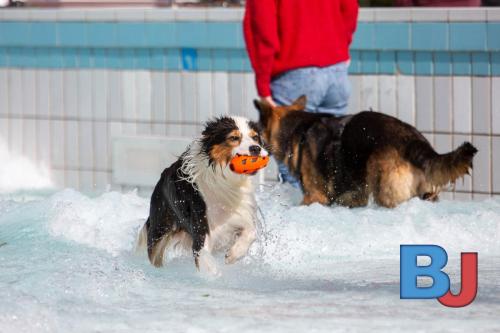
67,264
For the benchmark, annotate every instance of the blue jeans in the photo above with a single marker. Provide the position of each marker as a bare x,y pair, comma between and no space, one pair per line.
327,89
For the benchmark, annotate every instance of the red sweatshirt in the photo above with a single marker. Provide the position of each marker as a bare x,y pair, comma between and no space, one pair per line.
285,34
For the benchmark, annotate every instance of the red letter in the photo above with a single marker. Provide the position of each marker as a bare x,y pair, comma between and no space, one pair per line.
468,290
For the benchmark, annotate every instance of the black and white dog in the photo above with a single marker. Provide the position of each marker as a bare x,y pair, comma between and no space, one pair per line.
199,203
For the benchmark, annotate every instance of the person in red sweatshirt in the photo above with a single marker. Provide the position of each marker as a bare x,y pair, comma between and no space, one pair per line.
301,47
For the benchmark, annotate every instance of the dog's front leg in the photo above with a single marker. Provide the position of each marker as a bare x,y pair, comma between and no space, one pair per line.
241,245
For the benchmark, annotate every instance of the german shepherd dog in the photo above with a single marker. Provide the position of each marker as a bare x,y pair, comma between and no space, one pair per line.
345,160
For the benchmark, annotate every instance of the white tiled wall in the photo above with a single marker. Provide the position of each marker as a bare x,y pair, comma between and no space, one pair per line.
66,118
495,105
481,105
443,95
462,104
448,110
495,147
424,92
387,95
405,94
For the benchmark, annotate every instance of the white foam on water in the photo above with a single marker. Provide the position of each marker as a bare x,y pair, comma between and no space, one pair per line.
68,265
19,173
301,240
108,222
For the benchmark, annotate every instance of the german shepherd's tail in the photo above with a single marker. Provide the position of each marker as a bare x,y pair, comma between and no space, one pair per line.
441,169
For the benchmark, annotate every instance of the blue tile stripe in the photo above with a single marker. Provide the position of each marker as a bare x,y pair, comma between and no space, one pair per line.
418,48
423,63
442,63
468,37
406,62
429,36
122,34
461,63
376,36
236,60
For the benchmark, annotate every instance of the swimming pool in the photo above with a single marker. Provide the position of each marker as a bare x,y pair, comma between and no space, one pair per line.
69,265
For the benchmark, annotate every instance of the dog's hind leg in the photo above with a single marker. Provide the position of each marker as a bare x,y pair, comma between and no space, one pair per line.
313,185
391,179
157,243
357,196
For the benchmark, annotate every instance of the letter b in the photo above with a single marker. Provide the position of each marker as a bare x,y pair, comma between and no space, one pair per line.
410,271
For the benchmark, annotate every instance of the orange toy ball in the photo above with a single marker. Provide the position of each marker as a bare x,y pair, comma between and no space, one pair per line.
248,165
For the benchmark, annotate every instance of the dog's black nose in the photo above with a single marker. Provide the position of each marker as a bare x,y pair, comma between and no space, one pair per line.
254,150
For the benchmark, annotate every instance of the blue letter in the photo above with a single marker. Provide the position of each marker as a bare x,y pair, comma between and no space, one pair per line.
410,271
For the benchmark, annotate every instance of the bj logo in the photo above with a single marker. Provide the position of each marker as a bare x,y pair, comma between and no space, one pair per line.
440,287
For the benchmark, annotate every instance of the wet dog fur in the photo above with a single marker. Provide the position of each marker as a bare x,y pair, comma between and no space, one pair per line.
346,160
200,204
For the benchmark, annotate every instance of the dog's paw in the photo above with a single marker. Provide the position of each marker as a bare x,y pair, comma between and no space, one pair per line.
207,264
231,258
431,196
228,260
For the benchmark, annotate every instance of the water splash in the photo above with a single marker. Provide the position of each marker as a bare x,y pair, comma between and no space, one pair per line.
307,241
68,265
19,173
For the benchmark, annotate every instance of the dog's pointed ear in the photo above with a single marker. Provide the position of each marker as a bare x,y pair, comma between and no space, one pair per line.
300,103
264,108
257,105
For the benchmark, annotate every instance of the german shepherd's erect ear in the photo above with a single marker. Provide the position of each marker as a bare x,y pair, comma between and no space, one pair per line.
266,119
265,109
299,104
265,112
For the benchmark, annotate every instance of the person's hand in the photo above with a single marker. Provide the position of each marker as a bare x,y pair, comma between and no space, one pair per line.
269,100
